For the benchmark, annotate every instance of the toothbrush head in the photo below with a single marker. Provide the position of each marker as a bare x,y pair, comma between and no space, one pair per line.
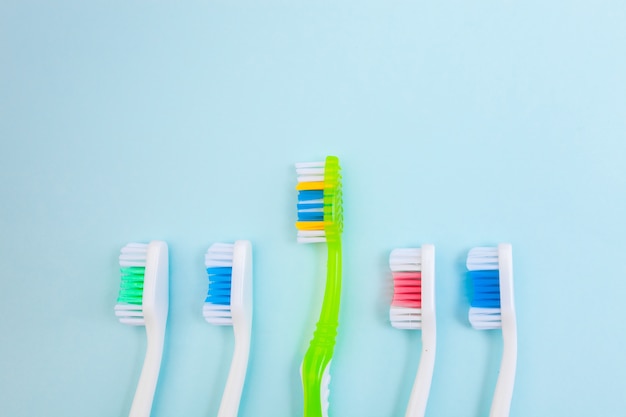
413,279
413,307
320,203
143,296
406,305
491,277
229,297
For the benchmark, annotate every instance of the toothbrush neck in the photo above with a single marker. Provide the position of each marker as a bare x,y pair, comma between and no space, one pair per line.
332,293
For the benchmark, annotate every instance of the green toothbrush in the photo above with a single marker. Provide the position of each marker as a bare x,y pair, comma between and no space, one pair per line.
320,219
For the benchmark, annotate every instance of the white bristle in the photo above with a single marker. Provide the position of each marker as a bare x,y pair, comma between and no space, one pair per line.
482,258
318,201
216,314
406,259
405,318
131,314
310,171
311,178
485,318
218,255
309,165
311,236
311,210
133,254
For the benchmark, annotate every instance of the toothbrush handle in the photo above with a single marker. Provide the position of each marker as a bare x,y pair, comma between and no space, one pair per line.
144,395
506,379
316,371
501,404
421,386
316,363
424,376
241,308
231,398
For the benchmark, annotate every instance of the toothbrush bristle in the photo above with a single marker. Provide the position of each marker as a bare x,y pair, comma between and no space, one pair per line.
483,273
132,260
320,206
310,202
406,306
219,266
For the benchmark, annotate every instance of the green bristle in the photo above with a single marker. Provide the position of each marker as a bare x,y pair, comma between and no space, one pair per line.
131,287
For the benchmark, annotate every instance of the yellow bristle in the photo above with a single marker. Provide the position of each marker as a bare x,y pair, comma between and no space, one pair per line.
310,225
311,185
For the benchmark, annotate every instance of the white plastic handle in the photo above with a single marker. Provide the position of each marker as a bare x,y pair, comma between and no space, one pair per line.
155,307
241,308
424,376
503,394
144,396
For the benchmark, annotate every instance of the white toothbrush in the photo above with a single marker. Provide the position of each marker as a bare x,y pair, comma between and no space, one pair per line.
229,302
493,307
143,301
413,307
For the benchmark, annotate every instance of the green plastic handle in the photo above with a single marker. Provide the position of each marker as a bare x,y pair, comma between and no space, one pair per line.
321,349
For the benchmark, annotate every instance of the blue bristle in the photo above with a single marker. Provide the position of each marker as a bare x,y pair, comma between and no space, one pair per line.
304,203
220,279
305,195
486,288
310,216
220,270
306,206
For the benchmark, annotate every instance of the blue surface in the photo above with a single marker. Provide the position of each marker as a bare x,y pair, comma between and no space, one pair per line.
457,123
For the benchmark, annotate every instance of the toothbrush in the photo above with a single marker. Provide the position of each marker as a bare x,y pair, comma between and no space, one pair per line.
413,307
143,301
493,307
229,303
320,219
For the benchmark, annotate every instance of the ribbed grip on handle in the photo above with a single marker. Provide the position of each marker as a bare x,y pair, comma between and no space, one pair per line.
321,349
315,365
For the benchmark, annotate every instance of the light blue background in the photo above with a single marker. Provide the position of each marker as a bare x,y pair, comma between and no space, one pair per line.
459,123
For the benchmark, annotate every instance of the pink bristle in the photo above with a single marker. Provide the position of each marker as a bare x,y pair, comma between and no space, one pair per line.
407,289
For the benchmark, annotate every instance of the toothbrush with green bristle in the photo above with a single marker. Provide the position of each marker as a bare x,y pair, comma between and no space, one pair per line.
320,219
143,301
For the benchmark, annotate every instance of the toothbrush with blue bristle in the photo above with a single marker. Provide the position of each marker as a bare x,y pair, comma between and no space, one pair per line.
320,219
493,307
229,303
143,301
